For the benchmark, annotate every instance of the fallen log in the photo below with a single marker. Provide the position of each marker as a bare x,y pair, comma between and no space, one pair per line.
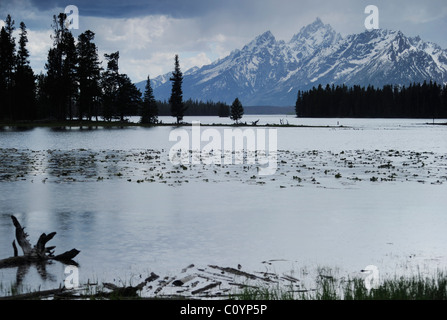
37,253
207,287
239,273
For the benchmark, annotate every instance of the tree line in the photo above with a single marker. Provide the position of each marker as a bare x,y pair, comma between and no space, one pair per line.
197,107
76,86
426,100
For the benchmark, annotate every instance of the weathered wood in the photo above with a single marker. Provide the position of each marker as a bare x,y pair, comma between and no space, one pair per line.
66,256
35,295
181,282
207,287
16,252
152,277
40,246
238,272
13,261
38,253
21,237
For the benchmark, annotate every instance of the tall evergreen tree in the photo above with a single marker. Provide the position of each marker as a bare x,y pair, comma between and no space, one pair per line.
43,104
89,75
61,70
128,98
237,110
176,100
7,65
149,112
110,86
69,73
120,96
24,81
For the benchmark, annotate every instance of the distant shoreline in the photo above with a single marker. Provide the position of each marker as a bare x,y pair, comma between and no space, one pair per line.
126,124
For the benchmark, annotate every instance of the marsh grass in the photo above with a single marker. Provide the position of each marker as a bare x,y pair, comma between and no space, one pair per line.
328,287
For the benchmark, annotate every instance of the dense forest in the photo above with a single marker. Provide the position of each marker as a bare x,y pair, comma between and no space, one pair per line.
76,85
197,107
427,100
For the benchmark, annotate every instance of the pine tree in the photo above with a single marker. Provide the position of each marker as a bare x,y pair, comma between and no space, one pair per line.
88,74
149,113
120,96
128,97
24,81
7,65
69,72
176,100
61,70
110,86
237,110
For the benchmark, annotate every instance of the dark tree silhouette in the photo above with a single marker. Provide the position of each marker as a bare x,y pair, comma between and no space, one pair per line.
149,112
128,97
110,86
426,100
88,74
237,111
120,96
176,100
24,82
7,64
61,84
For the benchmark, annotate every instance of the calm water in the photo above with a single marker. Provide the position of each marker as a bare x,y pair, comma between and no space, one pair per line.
126,229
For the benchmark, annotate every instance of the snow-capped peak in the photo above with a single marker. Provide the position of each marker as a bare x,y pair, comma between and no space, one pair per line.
270,72
313,37
265,39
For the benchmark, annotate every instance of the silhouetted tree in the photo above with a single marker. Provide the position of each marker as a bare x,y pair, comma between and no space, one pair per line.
176,100
61,70
89,75
120,96
24,81
149,112
128,97
237,110
7,64
110,86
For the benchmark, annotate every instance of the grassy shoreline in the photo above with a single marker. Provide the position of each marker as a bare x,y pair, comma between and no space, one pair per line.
327,286
416,287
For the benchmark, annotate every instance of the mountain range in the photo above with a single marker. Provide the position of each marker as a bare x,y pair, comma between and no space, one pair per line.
269,72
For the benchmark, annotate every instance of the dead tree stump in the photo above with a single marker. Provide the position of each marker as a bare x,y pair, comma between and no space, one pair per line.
37,253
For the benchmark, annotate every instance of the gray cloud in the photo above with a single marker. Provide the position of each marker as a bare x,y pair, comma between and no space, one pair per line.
135,8
149,32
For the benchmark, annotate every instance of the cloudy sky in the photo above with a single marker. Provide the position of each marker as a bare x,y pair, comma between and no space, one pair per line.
148,33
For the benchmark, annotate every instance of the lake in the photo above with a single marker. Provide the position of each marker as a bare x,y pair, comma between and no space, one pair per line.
359,192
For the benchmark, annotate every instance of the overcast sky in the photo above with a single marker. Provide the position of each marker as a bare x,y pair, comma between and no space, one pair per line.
148,33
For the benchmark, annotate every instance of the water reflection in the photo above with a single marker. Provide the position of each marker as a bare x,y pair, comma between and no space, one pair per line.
222,215
41,268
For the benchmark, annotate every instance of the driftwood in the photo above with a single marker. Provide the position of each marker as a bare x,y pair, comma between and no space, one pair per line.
37,254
